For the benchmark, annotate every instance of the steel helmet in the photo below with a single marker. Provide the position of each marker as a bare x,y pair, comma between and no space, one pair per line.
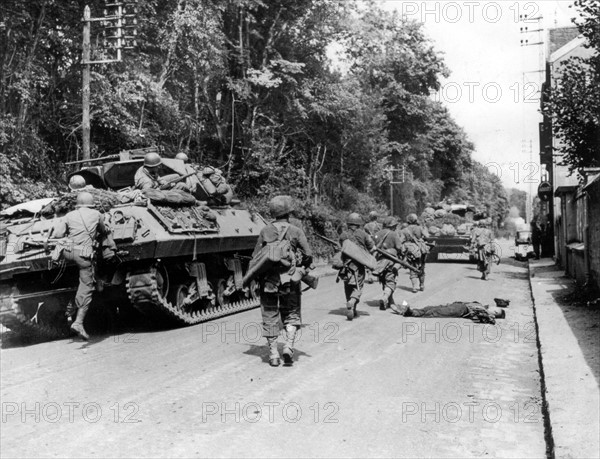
412,218
77,182
182,156
390,222
85,199
373,215
152,160
354,219
280,205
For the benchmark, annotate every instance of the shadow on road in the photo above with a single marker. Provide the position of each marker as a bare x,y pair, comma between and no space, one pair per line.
263,353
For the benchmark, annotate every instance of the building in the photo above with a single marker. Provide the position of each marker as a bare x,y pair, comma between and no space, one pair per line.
572,212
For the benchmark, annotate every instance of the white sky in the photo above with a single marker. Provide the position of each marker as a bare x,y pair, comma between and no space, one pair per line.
480,41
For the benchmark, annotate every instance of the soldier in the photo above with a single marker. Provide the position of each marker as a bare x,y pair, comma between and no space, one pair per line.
353,273
388,240
82,226
482,242
149,175
182,156
416,249
469,310
373,227
280,291
77,182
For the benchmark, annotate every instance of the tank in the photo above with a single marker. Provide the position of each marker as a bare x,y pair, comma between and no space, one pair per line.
180,261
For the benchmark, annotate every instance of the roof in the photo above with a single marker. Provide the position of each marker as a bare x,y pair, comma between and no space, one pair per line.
593,182
566,49
565,189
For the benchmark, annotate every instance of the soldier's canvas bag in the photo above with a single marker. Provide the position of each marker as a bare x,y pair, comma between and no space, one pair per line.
276,255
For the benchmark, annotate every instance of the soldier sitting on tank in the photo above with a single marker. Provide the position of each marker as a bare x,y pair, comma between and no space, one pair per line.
390,241
469,310
81,228
78,183
151,175
280,288
353,272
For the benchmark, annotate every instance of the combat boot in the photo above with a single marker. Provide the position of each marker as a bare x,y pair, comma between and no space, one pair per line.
273,352
288,347
351,308
77,326
422,284
415,285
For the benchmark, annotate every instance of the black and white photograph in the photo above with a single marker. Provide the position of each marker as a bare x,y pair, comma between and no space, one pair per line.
299,229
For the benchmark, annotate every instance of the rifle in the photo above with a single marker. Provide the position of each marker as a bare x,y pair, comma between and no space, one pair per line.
164,186
391,257
331,241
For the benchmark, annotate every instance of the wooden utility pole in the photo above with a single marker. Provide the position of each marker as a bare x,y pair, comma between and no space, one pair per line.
123,24
85,94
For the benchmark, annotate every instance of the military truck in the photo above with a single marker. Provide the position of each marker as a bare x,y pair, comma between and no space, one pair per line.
179,261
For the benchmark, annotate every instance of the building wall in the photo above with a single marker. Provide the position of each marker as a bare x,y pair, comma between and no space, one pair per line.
593,230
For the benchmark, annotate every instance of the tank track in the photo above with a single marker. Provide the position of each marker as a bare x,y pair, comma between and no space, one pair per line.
143,292
16,321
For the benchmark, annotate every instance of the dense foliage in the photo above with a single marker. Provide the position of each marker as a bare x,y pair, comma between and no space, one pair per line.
574,102
250,86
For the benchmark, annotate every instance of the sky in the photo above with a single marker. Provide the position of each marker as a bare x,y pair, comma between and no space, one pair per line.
493,89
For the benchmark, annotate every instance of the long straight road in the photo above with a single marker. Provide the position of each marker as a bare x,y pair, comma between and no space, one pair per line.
379,386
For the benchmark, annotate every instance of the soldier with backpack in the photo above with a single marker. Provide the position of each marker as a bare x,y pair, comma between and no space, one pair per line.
389,241
353,272
280,283
416,249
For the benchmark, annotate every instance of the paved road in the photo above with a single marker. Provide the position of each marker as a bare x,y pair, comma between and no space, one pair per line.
380,386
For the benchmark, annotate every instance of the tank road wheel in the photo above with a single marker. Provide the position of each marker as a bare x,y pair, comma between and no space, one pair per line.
254,290
222,299
162,281
177,296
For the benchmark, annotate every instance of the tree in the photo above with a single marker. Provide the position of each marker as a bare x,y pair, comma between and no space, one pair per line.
574,102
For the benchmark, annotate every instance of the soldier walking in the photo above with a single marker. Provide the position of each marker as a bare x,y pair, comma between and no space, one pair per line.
353,272
388,240
280,290
482,241
81,228
415,247
373,226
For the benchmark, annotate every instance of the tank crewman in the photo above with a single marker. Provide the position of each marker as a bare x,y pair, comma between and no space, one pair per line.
353,273
150,174
182,156
81,228
416,249
77,183
389,240
280,292
373,226
482,242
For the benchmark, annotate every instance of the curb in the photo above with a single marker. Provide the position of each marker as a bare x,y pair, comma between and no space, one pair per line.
545,408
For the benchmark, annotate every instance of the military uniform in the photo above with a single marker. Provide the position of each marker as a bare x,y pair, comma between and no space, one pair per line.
280,291
469,310
481,241
372,228
389,241
353,273
81,227
416,251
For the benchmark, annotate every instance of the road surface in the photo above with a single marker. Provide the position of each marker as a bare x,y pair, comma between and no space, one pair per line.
379,386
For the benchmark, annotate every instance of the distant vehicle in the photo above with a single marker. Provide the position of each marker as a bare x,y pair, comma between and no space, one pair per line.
462,218
523,246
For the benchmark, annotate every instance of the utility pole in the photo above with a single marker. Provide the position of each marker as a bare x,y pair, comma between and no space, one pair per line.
119,17
391,170
85,93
